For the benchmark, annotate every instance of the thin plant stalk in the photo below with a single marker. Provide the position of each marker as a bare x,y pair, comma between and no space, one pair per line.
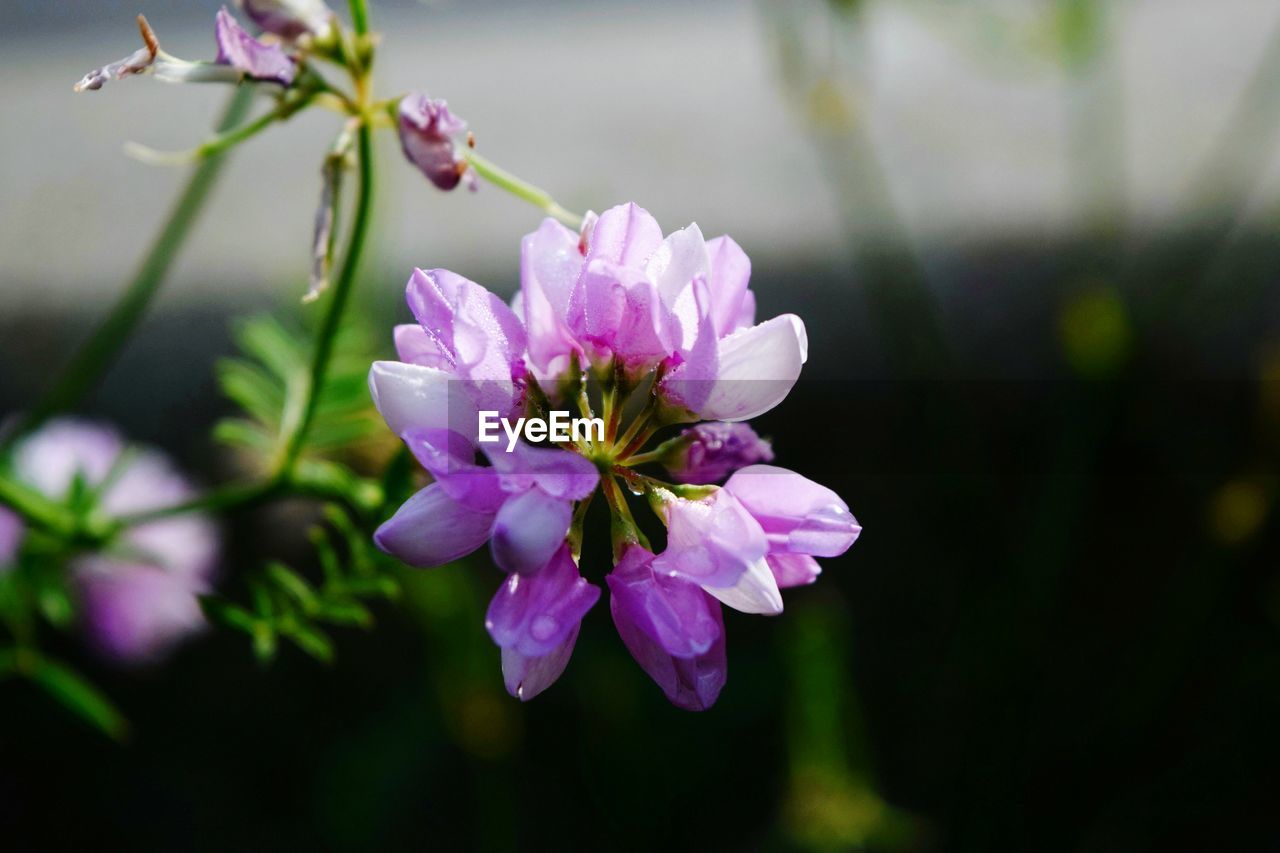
102,348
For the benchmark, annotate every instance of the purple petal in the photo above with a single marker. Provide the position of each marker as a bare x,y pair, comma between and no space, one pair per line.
535,614
415,346
558,472
427,129
711,542
50,459
526,677
136,613
451,459
691,683
11,530
619,310
675,614
245,53
716,450
528,530
431,529
550,265
730,273
793,569
798,515
476,331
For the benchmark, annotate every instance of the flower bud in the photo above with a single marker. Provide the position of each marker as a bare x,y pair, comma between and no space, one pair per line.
427,129
290,19
707,453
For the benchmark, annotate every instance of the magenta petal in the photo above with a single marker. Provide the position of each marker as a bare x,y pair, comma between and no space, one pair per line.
245,53
798,515
711,542
691,683
675,614
431,529
793,569
289,18
528,529
534,614
526,676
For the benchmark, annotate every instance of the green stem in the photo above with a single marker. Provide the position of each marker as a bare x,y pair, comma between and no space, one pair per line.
218,500
222,141
36,509
297,433
359,16
503,179
97,354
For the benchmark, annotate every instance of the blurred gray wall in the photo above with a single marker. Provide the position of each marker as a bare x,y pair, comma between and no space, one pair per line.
678,106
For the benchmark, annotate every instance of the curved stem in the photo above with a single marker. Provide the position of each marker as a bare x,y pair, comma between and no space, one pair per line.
98,353
222,141
503,179
300,421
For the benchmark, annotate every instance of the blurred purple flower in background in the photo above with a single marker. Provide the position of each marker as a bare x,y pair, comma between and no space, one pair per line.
10,538
139,595
290,19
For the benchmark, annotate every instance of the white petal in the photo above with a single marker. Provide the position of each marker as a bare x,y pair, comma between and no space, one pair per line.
410,395
756,369
755,592
681,258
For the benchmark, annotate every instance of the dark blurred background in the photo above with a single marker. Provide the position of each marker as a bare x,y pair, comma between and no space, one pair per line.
1035,247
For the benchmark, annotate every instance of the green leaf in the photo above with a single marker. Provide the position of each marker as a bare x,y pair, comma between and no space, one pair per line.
264,641
78,696
238,432
264,338
345,612
55,605
224,613
293,585
312,641
252,389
